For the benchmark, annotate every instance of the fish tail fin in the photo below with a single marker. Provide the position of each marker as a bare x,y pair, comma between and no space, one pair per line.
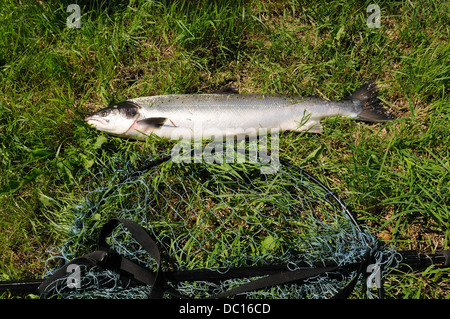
373,110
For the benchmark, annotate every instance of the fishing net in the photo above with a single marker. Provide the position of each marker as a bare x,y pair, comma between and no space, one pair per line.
216,217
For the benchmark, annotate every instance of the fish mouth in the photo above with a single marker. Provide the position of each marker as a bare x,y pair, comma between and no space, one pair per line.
91,120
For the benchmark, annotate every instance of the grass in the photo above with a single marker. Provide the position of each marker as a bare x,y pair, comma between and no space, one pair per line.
395,176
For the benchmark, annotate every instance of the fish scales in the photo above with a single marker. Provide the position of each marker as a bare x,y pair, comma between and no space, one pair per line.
232,112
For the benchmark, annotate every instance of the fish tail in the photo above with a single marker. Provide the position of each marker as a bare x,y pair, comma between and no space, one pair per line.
372,109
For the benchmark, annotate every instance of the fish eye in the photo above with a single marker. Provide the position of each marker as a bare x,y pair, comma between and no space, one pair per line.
104,113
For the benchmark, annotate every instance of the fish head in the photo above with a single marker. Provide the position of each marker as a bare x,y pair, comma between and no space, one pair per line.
116,119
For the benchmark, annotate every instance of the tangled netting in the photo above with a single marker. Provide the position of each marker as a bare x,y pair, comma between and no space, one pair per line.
217,217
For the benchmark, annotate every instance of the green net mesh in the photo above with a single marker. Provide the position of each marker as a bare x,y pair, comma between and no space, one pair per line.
215,216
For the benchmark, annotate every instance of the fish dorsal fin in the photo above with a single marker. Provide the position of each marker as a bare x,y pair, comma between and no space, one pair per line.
151,122
227,90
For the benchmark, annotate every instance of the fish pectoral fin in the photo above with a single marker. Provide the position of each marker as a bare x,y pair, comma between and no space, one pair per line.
310,127
150,123
316,128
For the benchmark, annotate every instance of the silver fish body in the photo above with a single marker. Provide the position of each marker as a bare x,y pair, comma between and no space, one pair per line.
208,115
